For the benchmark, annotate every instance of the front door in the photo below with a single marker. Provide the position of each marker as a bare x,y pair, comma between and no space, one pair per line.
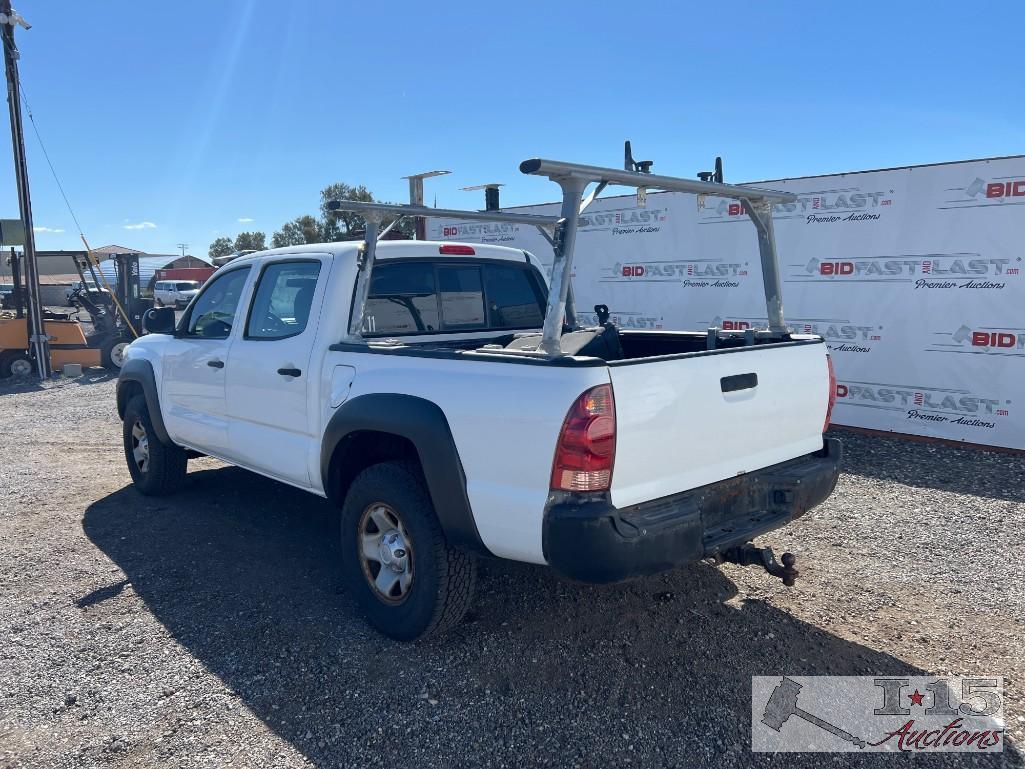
270,370
193,380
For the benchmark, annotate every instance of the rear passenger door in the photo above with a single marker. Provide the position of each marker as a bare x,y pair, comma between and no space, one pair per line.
269,369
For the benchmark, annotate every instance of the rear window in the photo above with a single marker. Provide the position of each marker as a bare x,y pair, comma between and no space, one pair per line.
515,300
403,300
409,298
462,298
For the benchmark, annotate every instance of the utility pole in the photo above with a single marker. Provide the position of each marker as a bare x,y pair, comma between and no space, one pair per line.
39,342
183,246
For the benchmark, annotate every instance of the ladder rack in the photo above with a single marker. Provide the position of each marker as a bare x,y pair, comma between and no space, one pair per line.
574,179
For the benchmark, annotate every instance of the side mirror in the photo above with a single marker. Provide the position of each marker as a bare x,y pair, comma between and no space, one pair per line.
158,320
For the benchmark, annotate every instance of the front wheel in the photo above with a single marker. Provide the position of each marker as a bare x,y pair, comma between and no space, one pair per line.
157,468
112,353
405,576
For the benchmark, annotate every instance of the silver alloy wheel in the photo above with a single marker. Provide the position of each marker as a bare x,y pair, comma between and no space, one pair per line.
140,446
385,553
21,367
117,354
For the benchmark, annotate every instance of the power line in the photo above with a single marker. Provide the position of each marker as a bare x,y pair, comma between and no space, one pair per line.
42,146
81,234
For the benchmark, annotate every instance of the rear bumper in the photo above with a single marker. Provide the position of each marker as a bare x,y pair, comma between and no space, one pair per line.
588,539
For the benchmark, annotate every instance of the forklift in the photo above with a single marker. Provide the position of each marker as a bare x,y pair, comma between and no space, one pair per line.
115,315
116,312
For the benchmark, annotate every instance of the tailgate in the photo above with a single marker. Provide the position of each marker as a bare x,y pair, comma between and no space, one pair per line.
692,420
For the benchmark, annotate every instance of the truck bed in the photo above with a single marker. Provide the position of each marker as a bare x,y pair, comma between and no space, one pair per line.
636,345
688,415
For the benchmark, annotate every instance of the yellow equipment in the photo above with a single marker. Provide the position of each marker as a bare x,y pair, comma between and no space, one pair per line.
67,345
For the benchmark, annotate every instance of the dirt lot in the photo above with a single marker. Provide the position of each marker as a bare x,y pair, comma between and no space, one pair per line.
210,628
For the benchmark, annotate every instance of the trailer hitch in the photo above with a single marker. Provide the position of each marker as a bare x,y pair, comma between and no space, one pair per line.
749,555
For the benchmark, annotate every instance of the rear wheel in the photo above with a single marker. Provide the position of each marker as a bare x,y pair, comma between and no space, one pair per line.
157,468
15,363
405,576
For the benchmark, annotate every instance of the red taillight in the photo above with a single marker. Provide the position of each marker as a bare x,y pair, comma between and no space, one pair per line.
456,250
832,393
587,444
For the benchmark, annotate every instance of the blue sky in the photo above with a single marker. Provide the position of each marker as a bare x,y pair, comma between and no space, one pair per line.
179,122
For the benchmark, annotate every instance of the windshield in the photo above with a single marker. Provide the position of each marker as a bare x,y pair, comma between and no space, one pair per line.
188,285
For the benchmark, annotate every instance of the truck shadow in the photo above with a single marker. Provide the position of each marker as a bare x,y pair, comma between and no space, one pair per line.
242,572
934,465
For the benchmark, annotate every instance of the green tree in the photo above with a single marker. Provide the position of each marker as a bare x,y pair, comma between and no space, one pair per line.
342,225
331,226
221,247
346,225
250,241
301,230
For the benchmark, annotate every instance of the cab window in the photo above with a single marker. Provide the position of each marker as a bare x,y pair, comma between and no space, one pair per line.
421,297
213,312
462,297
283,300
515,300
403,300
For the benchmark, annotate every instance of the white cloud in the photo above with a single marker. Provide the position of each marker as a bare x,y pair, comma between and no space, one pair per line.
47,229
245,219
141,226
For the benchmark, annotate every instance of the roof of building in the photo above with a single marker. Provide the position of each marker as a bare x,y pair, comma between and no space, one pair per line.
116,249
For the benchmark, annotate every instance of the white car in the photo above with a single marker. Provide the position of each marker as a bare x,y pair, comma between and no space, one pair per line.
447,401
90,287
174,293
636,452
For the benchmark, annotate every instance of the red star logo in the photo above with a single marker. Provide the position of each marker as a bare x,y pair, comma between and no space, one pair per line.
916,698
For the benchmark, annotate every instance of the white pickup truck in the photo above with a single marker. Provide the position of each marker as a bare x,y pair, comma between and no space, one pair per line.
413,383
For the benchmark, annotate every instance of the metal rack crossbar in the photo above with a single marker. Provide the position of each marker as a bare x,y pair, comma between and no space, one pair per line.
375,213
574,178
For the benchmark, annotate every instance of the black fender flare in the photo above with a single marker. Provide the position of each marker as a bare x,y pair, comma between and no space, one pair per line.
424,424
141,372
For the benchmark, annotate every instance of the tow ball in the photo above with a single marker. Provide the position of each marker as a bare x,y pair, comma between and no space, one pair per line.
749,555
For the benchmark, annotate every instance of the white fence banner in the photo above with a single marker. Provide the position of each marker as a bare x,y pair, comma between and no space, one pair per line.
912,275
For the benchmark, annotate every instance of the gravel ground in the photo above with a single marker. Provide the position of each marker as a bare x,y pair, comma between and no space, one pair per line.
210,628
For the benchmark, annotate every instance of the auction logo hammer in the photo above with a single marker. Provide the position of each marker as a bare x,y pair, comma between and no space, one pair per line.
783,703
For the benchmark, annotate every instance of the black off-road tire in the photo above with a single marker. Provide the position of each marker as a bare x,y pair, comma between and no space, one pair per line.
443,578
164,470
